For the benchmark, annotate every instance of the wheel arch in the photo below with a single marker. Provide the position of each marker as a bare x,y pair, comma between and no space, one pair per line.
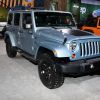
12,38
42,50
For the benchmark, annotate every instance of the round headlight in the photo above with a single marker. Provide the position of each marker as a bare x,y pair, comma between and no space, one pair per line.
73,46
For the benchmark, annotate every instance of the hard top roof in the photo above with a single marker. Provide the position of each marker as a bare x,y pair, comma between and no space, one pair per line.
27,9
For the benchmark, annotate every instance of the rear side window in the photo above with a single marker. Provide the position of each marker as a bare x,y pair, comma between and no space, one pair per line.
16,19
10,17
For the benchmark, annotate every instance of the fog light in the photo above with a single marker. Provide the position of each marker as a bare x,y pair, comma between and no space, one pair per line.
73,56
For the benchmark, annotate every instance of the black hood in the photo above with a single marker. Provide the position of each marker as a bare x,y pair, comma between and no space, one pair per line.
76,32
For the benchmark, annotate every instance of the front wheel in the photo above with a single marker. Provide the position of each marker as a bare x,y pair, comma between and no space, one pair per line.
11,52
48,72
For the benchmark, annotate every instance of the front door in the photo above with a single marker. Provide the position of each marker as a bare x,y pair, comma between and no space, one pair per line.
26,34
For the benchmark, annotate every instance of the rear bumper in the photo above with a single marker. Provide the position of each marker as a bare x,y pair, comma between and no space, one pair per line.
81,66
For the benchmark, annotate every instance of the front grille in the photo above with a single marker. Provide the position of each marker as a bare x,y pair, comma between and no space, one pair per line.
89,48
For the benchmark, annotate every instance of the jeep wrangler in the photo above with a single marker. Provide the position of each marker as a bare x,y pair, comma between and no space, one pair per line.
51,39
92,26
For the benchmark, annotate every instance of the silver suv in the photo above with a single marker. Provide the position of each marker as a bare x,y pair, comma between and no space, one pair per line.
51,40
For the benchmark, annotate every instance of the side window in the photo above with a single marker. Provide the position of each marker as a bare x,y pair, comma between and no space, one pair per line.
27,21
16,19
10,17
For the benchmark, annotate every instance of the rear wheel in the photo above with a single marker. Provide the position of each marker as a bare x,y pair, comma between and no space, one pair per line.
48,72
11,52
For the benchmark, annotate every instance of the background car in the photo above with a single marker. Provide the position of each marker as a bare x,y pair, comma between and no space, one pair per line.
92,25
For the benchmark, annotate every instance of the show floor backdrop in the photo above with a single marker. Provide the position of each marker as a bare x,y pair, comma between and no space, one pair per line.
87,7
3,14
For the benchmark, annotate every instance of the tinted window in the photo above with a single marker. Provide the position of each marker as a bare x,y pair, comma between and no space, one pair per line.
26,19
10,18
16,18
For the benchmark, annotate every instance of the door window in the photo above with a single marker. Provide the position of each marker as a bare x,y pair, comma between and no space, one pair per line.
27,21
16,19
10,17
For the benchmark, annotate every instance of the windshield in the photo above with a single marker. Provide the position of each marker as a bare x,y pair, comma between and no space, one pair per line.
49,19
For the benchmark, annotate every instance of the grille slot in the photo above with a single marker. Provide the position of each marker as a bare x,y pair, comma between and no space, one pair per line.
89,48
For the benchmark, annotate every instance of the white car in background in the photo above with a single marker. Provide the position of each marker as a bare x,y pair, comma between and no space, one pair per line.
2,28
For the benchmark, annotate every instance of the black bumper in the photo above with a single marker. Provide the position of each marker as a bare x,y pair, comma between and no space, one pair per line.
81,66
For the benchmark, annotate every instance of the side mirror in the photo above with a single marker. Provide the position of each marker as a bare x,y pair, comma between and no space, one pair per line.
28,26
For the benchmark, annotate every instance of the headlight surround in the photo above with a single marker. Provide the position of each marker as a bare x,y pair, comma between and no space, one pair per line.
73,46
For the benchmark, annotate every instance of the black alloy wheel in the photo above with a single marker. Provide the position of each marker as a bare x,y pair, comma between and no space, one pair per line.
11,51
48,72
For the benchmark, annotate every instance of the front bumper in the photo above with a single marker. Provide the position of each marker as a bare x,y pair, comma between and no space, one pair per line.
81,66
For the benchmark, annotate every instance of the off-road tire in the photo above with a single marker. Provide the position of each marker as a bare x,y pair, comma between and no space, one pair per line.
48,73
11,51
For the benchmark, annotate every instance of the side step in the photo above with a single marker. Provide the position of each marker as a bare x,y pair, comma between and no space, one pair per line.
29,57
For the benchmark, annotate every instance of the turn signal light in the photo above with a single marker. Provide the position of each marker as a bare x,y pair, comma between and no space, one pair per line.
73,56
